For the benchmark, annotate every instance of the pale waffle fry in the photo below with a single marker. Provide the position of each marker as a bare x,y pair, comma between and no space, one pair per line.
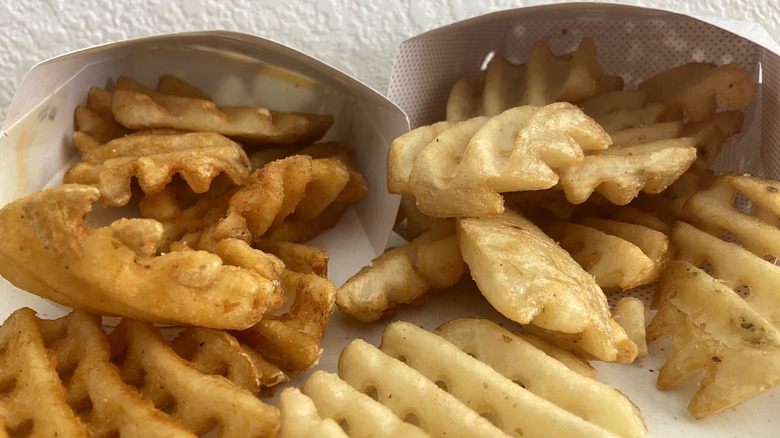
543,79
696,89
713,330
300,417
139,108
615,263
620,255
335,399
715,213
545,376
632,314
403,275
517,267
200,402
699,298
449,391
463,170
182,287
152,159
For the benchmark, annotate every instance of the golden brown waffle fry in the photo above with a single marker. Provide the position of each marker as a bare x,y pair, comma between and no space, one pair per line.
62,383
275,193
292,340
52,253
217,352
713,330
527,277
200,402
153,159
403,275
100,126
138,108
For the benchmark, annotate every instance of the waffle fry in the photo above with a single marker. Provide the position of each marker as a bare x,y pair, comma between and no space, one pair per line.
403,275
292,341
274,194
300,417
416,372
544,78
87,395
152,160
545,376
550,291
137,107
334,399
696,89
463,170
619,255
632,314
59,253
737,348
199,402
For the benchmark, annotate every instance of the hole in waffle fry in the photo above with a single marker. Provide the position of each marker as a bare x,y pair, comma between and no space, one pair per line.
491,417
412,419
372,392
344,424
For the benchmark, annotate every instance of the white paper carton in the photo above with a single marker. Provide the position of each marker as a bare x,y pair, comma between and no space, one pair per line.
634,43
235,69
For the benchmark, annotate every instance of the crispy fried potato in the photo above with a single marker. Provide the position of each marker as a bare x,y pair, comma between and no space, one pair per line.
463,171
139,108
70,380
614,262
736,347
200,402
52,253
363,416
732,265
632,314
715,213
545,376
153,159
300,418
527,277
291,338
620,173
698,88
543,79
403,275
268,205
39,356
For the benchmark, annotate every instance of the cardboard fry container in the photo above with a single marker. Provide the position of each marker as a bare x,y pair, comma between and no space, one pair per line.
634,43
36,144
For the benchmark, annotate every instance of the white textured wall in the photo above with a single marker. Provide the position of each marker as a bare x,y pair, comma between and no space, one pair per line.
358,37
